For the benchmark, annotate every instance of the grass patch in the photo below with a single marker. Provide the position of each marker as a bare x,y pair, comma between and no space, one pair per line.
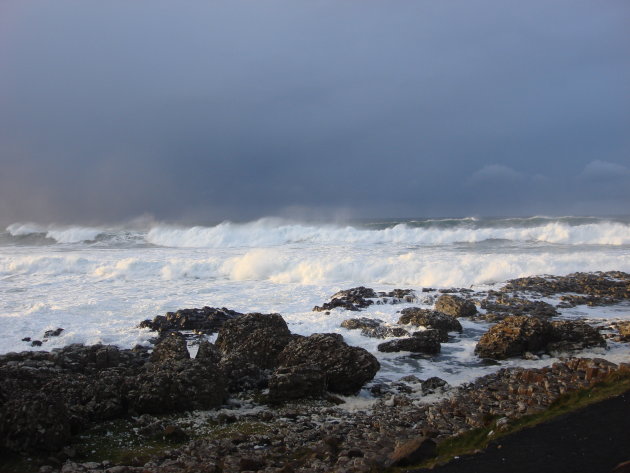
478,439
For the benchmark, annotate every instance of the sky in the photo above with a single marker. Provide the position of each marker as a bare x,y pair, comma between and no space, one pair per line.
209,110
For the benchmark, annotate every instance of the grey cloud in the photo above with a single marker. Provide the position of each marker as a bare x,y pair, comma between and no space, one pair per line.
212,110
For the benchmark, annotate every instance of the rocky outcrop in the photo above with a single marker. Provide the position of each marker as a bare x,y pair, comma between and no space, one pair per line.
346,368
455,306
250,345
427,341
297,382
499,305
439,321
47,396
361,297
171,348
373,328
206,320
599,288
517,335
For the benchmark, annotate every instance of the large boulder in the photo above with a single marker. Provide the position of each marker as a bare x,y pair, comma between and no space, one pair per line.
427,341
428,318
571,335
514,336
518,334
171,347
297,382
250,345
455,306
346,368
172,386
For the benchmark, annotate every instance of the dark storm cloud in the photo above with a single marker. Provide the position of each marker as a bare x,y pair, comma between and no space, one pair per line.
211,110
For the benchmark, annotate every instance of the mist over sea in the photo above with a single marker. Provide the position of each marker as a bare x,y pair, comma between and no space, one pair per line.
98,283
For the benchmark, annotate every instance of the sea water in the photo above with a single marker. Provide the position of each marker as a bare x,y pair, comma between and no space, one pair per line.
99,282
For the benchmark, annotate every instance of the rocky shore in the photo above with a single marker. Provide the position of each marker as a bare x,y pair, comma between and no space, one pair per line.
284,389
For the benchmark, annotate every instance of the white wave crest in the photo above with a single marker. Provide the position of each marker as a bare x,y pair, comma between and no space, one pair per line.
264,234
59,234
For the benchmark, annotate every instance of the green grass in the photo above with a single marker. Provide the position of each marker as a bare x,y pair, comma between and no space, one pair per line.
478,439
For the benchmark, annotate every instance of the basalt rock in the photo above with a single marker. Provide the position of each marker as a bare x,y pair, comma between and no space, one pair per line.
346,368
599,288
517,335
498,306
455,306
361,297
172,347
427,341
353,299
374,328
297,382
444,323
250,345
206,320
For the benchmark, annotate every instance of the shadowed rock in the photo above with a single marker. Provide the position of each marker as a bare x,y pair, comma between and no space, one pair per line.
428,318
347,368
427,341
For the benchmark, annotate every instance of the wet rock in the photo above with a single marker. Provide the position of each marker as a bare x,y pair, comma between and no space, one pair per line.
498,306
570,335
600,288
297,382
36,343
455,306
176,385
624,330
346,368
433,385
53,333
171,347
206,320
514,336
208,351
440,321
361,297
374,328
518,335
353,299
427,341
254,338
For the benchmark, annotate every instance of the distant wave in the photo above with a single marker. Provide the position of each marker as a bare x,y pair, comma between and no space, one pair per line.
271,232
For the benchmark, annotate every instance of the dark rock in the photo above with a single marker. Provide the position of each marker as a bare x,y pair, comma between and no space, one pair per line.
172,347
297,382
208,351
444,323
176,385
36,343
206,320
517,335
434,384
514,336
570,335
174,433
254,338
350,299
346,368
498,306
26,339
455,306
601,288
414,451
374,328
427,341
53,333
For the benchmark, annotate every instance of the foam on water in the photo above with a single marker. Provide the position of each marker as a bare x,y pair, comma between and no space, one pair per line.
99,283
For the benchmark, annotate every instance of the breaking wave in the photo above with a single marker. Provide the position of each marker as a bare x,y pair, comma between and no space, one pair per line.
271,232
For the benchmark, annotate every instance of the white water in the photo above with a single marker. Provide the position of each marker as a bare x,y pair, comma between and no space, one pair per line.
99,283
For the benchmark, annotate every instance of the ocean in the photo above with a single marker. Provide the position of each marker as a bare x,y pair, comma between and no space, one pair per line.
99,282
